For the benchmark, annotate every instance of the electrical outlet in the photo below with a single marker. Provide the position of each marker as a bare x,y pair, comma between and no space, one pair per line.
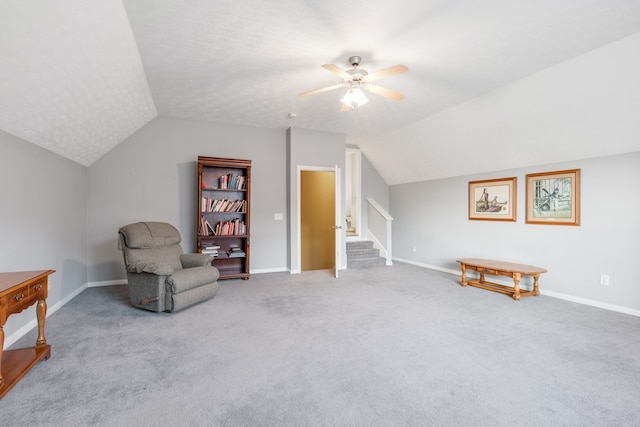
414,248
278,217
604,279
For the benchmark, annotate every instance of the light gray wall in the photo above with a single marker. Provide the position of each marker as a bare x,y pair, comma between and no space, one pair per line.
433,216
374,186
152,176
42,221
316,149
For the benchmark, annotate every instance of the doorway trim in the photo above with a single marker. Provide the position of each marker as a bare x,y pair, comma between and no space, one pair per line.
355,179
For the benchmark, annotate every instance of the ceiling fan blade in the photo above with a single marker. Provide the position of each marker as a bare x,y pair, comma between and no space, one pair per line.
383,91
324,89
386,72
338,71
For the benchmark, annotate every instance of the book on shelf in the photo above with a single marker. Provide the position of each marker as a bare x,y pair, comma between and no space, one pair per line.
206,228
222,205
236,227
232,181
235,252
210,250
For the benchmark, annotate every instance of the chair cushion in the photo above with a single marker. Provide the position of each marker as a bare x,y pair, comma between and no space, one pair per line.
152,260
150,235
190,278
195,260
156,268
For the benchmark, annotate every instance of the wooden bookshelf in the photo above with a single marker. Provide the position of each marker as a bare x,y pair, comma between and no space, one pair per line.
224,206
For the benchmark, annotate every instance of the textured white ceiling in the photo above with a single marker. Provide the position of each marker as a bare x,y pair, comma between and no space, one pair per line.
79,77
71,79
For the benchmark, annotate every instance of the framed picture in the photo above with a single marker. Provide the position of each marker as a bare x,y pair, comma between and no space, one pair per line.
493,199
554,198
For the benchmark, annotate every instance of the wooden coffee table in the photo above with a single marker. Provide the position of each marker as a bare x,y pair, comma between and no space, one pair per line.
500,268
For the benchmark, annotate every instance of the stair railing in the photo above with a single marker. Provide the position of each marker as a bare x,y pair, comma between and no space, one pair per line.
379,228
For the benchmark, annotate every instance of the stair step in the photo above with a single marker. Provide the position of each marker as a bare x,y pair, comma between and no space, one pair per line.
366,262
359,244
363,253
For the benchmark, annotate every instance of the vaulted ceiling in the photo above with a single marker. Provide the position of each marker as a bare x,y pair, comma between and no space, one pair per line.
79,77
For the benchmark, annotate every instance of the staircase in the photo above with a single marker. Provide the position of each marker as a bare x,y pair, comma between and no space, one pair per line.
362,254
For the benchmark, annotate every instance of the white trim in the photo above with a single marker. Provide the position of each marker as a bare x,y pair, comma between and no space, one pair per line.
592,303
107,283
380,209
339,224
579,300
33,323
269,270
124,281
357,197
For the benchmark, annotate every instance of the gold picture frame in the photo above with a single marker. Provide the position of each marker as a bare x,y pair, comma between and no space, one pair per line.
553,197
493,199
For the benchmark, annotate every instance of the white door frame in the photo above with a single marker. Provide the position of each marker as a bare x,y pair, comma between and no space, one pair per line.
356,184
337,227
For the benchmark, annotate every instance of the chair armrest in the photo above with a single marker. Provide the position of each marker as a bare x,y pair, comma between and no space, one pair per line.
150,267
195,260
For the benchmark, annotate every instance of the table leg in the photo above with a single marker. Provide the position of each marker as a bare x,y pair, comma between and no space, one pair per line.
41,312
464,274
1,347
516,286
536,290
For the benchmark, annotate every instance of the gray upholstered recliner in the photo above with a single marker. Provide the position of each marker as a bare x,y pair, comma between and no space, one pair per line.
161,277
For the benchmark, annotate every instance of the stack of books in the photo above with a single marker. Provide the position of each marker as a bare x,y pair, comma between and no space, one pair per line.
235,252
210,249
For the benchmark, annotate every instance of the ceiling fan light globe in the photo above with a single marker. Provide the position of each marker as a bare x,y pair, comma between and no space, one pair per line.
358,96
347,99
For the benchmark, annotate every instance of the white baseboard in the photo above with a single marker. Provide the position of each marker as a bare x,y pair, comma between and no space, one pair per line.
124,281
269,270
579,300
429,266
34,322
107,283
593,303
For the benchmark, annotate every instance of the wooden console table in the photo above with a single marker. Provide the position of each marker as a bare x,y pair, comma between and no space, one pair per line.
500,268
18,291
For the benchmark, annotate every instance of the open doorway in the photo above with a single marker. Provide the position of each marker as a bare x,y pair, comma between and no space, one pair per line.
353,207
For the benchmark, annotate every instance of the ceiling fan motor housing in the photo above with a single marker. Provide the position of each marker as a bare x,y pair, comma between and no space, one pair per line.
356,73
354,61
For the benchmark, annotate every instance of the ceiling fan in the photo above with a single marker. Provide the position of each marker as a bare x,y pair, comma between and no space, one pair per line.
357,79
